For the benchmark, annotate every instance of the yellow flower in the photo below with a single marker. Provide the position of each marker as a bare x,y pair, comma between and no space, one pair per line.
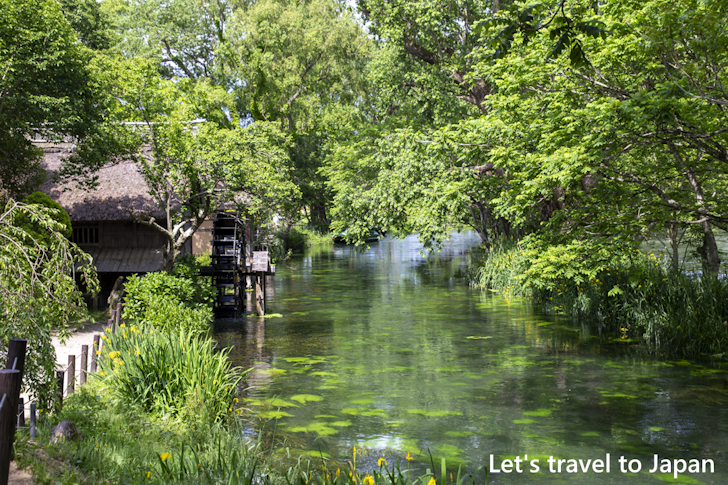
98,352
338,472
355,452
137,352
368,480
214,382
409,458
235,399
164,456
122,325
432,481
381,460
149,474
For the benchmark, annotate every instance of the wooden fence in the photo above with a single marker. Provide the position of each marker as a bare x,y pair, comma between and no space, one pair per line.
12,407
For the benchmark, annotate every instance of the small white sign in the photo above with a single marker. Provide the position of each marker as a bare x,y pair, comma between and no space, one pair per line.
260,261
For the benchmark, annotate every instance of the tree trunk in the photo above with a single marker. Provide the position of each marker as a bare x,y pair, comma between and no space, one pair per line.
709,257
480,222
673,236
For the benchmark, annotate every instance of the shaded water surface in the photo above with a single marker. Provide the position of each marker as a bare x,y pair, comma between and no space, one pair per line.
390,351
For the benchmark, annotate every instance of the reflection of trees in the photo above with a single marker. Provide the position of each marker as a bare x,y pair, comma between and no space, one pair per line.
394,330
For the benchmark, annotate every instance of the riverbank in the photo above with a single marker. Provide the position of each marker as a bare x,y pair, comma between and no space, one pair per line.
637,297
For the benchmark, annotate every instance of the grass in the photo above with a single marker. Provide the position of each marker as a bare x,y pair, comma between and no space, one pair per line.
636,296
123,444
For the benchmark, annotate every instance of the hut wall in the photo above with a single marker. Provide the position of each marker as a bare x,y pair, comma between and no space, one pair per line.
123,234
202,239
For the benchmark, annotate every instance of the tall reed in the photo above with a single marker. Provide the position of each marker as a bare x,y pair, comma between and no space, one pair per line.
169,372
635,295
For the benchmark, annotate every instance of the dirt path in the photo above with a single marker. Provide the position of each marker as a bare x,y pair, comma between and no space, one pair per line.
79,337
19,477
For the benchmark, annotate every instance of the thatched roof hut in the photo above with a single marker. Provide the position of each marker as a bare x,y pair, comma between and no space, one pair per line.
121,193
105,218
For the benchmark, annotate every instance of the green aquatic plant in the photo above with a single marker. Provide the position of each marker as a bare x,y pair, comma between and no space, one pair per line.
304,398
636,296
169,372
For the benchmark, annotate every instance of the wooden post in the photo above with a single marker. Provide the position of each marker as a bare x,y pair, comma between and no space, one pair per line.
16,358
84,365
259,294
110,325
71,375
59,383
9,381
117,315
32,420
16,354
21,412
94,355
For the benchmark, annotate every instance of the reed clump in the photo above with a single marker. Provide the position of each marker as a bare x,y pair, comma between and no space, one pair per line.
169,371
637,296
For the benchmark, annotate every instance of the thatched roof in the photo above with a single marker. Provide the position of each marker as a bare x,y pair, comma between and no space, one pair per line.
121,193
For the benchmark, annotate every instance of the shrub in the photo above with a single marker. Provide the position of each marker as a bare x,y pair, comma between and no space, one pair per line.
165,300
635,295
171,372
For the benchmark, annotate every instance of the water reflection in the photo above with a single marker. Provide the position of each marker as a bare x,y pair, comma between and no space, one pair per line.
389,350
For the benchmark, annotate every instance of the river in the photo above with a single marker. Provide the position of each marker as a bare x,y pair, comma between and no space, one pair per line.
390,351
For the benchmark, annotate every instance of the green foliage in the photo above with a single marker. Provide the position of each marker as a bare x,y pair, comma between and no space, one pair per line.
296,240
38,291
49,86
166,300
500,267
91,24
35,230
564,21
634,295
294,65
169,372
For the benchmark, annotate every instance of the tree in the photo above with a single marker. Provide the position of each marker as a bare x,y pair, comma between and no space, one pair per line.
192,166
629,145
420,81
290,63
47,89
38,290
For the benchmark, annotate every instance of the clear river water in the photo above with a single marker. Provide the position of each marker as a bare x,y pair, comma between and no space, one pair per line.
390,351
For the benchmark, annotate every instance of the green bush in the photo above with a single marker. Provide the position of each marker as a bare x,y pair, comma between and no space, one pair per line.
172,372
165,300
635,295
